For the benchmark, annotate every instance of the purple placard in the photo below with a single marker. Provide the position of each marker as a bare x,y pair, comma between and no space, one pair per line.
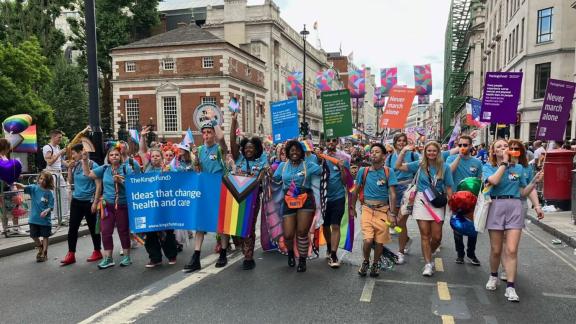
556,110
501,96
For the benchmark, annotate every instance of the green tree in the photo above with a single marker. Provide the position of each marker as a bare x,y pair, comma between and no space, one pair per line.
118,22
23,74
66,93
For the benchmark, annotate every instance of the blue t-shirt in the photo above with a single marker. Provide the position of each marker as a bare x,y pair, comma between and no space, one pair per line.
468,167
84,187
40,199
424,180
210,159
104,172
133,165
287,172
408,157
512,180
311,158
335,189
376,186
482,155
445,155
253,168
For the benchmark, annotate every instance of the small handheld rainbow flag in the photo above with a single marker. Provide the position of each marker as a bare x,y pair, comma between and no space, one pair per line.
134,136
307,145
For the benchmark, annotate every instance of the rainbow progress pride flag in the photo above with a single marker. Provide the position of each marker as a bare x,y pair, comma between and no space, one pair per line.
238,205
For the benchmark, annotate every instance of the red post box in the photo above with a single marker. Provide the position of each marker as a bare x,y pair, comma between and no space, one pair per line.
558,178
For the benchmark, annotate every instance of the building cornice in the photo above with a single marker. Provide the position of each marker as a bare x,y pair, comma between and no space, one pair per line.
208,80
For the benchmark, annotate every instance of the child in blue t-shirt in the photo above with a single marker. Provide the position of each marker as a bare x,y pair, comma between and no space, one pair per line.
42,201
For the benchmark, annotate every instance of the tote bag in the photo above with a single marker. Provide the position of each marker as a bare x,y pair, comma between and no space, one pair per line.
481,210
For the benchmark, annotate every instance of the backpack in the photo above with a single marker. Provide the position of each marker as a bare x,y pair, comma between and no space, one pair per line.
364,175
40,162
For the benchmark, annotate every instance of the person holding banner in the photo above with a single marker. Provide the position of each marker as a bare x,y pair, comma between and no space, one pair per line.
83,204
298,205
401,147
209,159
114,213
434,184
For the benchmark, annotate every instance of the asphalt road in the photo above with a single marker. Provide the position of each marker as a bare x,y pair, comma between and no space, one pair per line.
48,293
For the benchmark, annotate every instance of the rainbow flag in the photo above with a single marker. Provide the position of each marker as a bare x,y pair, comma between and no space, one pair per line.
346,232
134,136
238,205
29,143
307,145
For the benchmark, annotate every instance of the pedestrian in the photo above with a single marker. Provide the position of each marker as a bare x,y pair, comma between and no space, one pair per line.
83,205
505,220
249,162
335,201
377,193
434,184
210,159
462,166
54,163
39,220
299,204
111,178
400,143
482,153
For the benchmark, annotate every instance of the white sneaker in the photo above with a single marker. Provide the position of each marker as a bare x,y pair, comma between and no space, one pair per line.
401,258
428,270
511,295
503,276
408,244
492,283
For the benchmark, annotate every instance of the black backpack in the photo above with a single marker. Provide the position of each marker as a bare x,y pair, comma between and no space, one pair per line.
40,162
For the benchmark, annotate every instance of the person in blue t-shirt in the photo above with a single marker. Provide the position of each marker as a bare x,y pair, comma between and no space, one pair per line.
464,165
299,205
83,204
39,219
210,159
336,201
505,221
250,161
434,184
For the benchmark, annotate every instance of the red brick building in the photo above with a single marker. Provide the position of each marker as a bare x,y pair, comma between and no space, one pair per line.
167,76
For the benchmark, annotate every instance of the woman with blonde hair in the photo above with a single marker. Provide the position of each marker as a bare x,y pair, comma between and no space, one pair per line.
433,185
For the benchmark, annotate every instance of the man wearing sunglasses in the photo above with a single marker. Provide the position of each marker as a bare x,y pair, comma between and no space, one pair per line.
463,166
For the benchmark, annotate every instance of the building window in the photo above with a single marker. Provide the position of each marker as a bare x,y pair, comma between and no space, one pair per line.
544,26
168,64
132,113
130,66
208,100
170,112
542,74
522,36
207,62
532,131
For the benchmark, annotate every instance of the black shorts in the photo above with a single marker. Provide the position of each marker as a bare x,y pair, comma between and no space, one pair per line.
40,230
334,212
309,205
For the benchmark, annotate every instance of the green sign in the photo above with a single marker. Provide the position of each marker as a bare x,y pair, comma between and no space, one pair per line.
337,113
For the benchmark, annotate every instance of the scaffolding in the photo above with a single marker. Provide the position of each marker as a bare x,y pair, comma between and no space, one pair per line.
455,56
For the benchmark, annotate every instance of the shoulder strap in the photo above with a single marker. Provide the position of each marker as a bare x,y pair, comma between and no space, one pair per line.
389,160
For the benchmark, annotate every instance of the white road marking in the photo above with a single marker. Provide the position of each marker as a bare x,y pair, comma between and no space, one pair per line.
551,251
367,291
559,295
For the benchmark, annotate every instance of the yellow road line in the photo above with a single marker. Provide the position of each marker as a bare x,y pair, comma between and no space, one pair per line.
443,292
447,319
438,264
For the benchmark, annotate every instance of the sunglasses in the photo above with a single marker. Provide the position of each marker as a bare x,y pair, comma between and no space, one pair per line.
463,145
514,149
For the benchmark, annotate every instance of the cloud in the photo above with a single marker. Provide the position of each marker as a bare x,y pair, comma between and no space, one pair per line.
381,33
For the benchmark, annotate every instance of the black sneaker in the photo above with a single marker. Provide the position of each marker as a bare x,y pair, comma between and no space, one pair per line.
248,264
193,265
291,259
460,260
222,260
474,260
301,265
364,268
375,270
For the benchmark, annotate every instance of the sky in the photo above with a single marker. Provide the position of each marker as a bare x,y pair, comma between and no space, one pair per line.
381,33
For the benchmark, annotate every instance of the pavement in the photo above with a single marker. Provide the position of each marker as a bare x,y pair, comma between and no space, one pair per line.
272,292
559,224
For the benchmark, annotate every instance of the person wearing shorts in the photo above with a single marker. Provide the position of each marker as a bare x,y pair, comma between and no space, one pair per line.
507,184
377,194
298,204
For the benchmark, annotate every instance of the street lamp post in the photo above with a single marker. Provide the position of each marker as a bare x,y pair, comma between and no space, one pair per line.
304,125
151,136
122,132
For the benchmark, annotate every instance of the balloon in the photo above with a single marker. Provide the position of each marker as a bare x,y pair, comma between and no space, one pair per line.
462,225
367,148
462,202
10,170
17,123
471,184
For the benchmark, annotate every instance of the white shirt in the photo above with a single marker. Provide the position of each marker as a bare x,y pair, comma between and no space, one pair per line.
57,165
